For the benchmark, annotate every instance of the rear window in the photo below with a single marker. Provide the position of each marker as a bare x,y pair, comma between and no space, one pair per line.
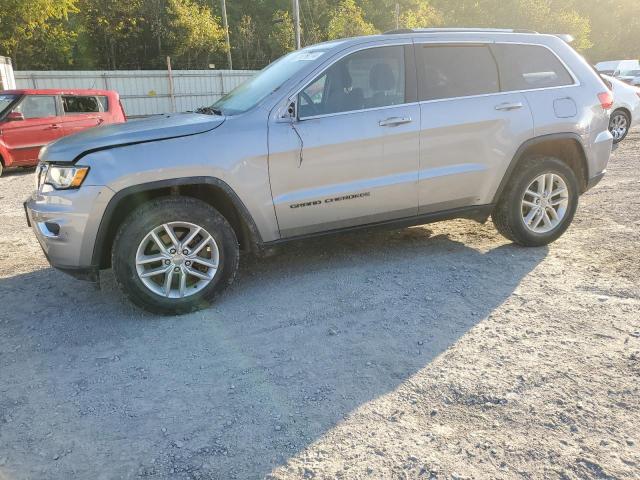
80,104
450,71
525,67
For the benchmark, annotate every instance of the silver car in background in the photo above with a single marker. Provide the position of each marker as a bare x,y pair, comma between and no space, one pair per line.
625,113
383,130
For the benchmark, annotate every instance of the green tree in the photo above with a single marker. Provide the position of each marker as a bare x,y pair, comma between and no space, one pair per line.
195,31
114,32
422,15
35,24
244,40
546,16
282,36
347,20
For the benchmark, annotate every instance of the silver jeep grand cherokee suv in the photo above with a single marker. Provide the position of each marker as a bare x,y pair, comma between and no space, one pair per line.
398,129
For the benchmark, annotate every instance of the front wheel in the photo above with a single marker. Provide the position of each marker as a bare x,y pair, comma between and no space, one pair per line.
539,203
174,255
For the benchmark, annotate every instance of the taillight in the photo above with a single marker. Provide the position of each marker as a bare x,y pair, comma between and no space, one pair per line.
606,100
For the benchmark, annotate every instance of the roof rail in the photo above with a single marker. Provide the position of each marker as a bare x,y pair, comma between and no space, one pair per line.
455,30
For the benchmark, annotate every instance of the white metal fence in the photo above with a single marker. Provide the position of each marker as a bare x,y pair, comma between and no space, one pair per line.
145,92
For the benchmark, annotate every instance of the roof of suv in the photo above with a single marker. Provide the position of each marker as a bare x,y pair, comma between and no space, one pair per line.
465,34
57,91
457,30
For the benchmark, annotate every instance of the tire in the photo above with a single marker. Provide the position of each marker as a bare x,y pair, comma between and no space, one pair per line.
135,248
619,124
511,212
1,166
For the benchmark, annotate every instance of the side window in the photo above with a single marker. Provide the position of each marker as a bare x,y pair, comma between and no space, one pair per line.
370,78
524,67
104,103
450,71
37,106
79,104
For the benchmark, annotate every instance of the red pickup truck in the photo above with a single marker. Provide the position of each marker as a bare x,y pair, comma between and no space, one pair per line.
29,119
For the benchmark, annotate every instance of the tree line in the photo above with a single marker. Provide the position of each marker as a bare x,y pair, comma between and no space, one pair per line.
140,34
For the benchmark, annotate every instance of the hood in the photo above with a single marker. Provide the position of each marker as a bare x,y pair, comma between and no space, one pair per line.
161,127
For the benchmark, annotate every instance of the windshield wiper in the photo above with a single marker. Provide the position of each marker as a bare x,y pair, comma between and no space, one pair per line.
209,111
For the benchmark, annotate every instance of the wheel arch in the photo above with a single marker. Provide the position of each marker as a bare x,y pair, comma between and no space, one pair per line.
211,190
625,109
567,147
5,157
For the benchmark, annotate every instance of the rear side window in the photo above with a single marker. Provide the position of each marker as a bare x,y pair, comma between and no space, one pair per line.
525,67
80,104
104,103
450,71
37,106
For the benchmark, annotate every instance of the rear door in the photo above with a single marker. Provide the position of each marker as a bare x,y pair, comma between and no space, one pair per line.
470,129
42,124
81,112
553,94
351,156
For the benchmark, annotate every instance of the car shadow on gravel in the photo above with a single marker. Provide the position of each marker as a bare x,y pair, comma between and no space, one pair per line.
302,339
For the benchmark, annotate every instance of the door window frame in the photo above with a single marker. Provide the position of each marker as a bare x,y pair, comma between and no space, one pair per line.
410,76
488,44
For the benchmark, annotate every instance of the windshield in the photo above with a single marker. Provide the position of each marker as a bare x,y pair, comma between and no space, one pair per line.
5,101
252,92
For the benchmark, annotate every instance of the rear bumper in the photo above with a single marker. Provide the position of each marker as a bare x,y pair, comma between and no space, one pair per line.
593,181
598,157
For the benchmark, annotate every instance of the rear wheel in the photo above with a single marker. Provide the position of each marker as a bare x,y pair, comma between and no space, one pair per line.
174,255
539,203
619,123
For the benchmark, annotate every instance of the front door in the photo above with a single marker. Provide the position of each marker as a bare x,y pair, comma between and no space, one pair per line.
41,125
351,156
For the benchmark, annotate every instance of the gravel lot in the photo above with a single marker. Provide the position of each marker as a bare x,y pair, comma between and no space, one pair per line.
431,352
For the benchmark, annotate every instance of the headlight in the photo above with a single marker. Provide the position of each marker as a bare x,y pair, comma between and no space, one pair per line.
65,177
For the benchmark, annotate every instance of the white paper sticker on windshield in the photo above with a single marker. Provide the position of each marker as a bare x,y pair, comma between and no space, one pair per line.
308,56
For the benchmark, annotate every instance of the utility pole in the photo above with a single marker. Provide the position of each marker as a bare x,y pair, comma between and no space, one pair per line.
296,21
226,33
397,16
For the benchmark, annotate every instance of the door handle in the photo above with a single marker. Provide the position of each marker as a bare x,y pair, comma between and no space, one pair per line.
55,126
394,121
509,106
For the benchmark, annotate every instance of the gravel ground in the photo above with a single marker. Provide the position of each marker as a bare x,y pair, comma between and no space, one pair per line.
430,352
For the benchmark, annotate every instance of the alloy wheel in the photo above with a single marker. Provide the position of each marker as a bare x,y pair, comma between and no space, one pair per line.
544,203
177,259
618,125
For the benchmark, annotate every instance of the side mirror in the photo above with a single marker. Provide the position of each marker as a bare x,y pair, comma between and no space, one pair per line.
15,117
289,113
291,110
